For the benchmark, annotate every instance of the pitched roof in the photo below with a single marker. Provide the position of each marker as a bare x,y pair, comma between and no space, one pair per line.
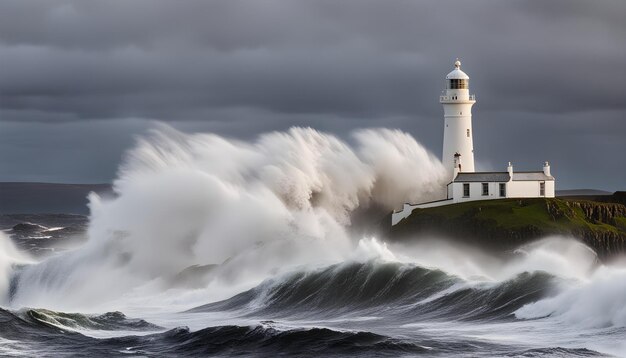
482,177
501,177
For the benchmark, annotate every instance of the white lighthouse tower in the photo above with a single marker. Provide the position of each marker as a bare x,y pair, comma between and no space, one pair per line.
458,146
465,184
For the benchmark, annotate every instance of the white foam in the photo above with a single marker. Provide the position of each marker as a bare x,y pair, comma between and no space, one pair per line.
257,208
596,302
10,258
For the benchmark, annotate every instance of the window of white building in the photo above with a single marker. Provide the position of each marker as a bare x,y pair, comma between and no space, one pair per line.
502,190
466,190
542,188
485,189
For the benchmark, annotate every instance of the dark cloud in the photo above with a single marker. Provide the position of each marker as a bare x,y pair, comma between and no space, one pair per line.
549,70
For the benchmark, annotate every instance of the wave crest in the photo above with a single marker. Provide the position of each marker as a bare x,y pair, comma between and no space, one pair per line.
203,199
597,302
401,291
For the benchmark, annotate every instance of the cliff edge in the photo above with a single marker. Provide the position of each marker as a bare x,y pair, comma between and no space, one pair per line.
503,225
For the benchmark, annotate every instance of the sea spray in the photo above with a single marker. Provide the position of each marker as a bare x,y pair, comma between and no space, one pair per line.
271,218
596,302
253,208
10,259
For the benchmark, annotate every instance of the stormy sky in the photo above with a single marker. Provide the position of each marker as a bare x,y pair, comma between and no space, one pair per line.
80,79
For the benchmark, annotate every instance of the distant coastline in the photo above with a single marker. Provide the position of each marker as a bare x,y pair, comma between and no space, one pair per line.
582,192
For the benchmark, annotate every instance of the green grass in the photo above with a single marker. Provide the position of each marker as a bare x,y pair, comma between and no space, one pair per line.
513,214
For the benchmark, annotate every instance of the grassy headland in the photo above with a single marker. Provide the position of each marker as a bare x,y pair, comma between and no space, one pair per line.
505,224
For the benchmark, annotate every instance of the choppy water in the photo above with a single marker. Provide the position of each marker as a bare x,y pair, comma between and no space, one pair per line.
225,248
374,307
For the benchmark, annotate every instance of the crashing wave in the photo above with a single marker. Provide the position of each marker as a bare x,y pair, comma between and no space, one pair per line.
394,289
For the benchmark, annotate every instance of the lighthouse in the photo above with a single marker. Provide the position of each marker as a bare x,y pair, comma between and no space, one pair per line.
458,146
465,184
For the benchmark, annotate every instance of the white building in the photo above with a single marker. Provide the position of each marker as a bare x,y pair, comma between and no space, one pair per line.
458,156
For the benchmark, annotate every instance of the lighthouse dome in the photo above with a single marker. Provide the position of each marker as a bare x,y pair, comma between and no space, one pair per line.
457,74
457,79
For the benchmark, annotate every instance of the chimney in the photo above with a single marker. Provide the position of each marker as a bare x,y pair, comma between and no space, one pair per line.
546,168
510,170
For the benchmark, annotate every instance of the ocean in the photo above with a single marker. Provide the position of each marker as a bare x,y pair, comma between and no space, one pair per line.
217,247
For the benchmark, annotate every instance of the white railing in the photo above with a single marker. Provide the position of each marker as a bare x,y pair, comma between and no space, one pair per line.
452,98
